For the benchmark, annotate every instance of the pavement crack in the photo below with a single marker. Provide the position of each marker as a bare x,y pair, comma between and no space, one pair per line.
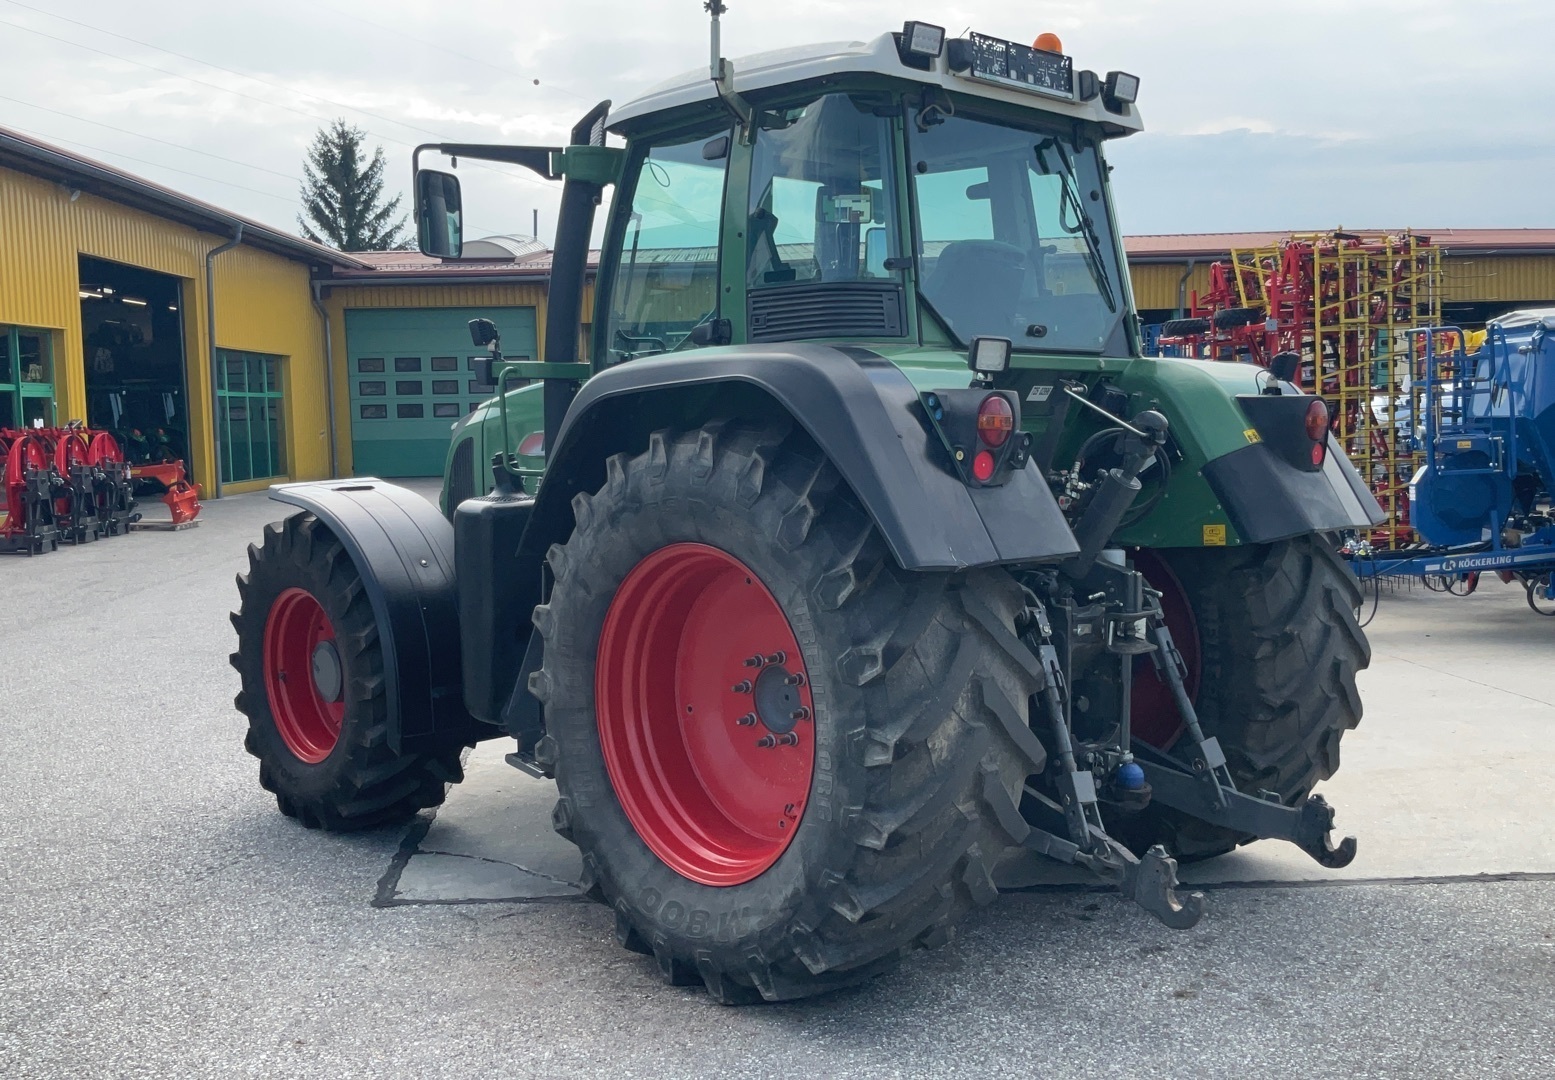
500,862
1465,678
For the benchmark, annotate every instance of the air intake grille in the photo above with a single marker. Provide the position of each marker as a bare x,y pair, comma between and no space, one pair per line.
461,476
839,309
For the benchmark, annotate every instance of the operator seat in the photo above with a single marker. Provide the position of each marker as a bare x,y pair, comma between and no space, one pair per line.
976,285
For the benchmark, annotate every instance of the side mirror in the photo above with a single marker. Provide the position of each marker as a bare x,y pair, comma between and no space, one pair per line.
439,214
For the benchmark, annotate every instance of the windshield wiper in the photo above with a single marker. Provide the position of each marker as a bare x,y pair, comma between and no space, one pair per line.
1071,195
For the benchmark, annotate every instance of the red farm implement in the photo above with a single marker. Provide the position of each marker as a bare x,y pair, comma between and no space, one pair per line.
73,484
1342,303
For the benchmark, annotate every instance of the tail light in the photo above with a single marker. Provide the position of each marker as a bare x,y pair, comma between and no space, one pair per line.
995,422
980,431
1317,430
1317,420
533,445
983,466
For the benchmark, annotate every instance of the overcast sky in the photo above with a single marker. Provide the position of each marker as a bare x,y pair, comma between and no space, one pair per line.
1361,113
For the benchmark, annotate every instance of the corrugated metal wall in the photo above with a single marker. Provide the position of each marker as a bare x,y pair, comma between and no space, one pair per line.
1156,284
1499,277
262,303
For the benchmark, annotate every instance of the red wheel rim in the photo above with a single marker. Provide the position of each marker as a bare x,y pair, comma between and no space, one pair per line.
705,715
304,675
1153,716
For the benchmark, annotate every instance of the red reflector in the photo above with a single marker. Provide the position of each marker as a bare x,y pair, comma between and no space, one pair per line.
995,421
1317,420
1319,452
533,445
982,465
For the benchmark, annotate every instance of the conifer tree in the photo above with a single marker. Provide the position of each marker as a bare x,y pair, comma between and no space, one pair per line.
342,194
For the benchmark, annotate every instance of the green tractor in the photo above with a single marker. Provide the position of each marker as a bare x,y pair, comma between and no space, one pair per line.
869,555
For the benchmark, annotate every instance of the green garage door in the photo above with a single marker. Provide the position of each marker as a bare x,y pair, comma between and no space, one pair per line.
413,374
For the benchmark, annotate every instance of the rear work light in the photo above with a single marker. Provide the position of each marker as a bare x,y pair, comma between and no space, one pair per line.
995,422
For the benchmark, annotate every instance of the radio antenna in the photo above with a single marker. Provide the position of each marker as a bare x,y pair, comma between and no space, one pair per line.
722,73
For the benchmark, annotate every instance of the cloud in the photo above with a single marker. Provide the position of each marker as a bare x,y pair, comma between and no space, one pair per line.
1257,116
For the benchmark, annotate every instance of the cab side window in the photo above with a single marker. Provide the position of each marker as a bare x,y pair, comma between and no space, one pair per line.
666,277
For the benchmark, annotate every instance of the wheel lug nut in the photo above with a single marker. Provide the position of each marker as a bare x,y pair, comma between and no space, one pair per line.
748,720
788,738
766,741
754,661
741,687
777,658
796,679
801,713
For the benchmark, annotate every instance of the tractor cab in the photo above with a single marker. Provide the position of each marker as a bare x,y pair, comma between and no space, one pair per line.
911,193
870,192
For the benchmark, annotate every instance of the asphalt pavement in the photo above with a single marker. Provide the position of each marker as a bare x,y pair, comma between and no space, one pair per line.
159,917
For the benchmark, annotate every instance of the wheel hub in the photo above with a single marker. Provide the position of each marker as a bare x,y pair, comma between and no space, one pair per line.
327,678
778,705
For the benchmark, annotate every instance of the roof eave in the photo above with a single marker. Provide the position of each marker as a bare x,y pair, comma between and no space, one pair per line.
45,162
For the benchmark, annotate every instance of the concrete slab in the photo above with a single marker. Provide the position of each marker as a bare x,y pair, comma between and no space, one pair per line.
1441,780
492,840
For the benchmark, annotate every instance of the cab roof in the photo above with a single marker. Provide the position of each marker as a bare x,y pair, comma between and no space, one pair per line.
802,63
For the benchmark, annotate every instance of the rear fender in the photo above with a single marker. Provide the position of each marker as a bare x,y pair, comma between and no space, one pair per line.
404,550
862,412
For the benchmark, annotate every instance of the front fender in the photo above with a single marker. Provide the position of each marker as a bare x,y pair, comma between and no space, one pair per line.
404,550
862,412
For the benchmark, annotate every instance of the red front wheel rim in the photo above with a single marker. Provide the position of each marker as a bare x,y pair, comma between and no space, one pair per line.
705,715
304,675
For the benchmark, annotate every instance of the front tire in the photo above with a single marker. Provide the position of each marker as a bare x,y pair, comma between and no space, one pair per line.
313,689
913,752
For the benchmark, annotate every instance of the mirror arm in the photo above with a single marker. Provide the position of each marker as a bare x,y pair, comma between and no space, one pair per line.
535,158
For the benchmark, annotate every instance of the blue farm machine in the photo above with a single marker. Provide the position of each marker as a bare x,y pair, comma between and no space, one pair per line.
1481,501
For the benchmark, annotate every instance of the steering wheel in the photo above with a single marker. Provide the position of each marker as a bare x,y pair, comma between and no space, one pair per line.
637,343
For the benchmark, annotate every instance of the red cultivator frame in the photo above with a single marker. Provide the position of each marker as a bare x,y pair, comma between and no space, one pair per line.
1343,302
72,484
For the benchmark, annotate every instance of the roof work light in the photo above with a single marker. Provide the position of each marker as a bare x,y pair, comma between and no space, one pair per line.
923,39
1121,88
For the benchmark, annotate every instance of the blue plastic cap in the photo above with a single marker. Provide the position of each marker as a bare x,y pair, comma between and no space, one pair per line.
1131,776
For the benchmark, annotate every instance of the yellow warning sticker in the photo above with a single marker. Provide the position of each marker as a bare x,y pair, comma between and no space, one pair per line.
1465,444
1214,536
1251,435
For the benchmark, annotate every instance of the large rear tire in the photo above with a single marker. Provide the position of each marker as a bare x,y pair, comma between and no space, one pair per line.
1274,646
313,689
911,757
